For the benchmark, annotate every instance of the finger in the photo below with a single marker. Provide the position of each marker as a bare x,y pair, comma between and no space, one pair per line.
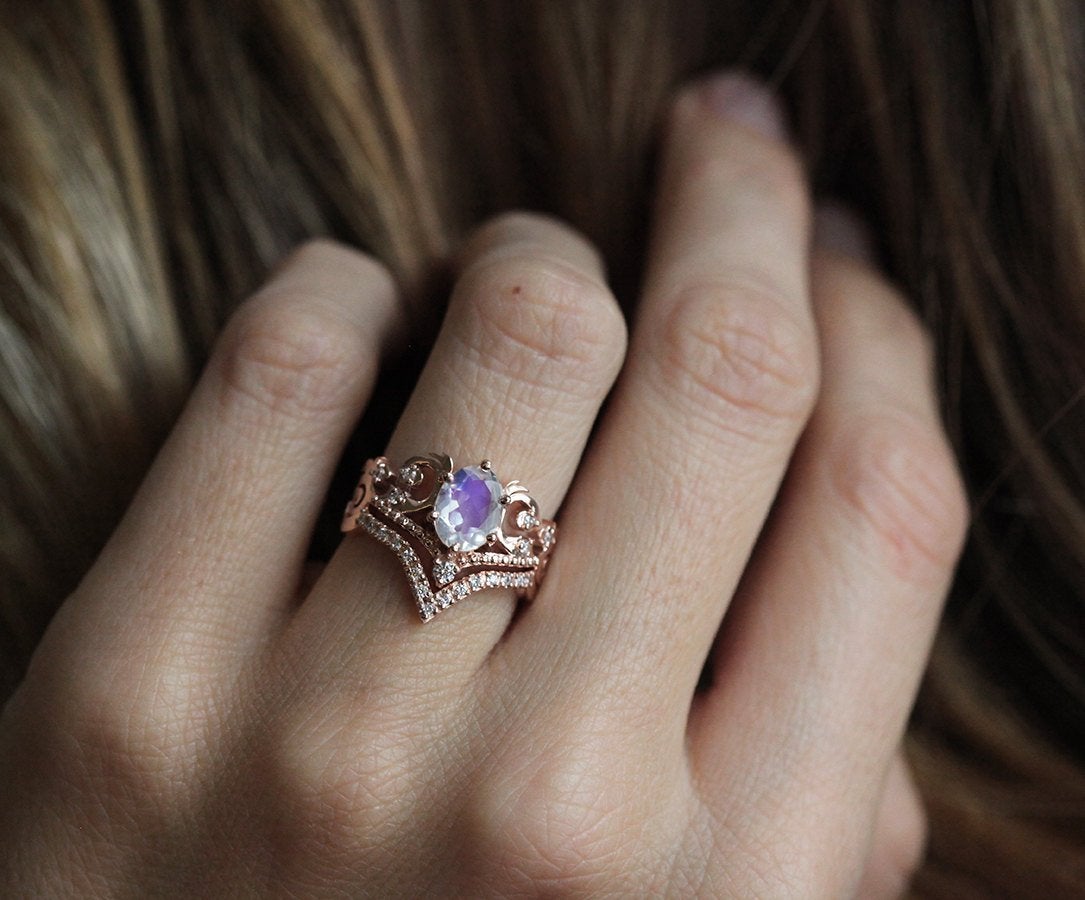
529,348
210,552
722,371
898,837
823,649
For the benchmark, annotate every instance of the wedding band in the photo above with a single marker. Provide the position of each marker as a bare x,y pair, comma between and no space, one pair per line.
455,531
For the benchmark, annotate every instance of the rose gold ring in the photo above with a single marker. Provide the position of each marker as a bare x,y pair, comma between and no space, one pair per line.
456,531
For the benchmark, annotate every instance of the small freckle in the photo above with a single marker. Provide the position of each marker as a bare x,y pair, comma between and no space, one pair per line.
516,290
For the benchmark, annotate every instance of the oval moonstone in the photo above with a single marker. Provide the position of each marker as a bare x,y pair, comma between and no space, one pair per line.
468,508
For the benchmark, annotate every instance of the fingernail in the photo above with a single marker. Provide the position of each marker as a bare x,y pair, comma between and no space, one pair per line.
743,99
840,230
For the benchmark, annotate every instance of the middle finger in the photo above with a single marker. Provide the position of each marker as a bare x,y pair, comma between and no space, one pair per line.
721,377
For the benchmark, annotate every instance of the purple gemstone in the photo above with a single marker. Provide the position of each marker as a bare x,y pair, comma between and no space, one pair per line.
468,508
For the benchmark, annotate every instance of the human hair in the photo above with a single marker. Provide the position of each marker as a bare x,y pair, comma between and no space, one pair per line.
156,160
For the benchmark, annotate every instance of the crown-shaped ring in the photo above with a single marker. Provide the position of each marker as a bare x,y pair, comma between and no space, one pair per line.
455,530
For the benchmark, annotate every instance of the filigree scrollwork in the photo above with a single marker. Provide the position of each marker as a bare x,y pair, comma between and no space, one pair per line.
396,507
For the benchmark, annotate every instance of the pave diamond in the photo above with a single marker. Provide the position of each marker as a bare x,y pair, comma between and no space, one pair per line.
468,508
546,535
444,571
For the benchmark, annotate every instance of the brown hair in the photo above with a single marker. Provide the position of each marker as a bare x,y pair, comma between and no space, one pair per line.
157,159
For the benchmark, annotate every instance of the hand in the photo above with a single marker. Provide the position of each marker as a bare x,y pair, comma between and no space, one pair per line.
191,726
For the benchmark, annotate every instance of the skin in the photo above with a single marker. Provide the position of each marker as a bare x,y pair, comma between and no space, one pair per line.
769,482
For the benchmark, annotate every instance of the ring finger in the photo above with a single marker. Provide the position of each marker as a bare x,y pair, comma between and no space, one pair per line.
529,348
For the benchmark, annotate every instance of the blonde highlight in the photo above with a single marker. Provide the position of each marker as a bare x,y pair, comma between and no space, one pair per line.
156,162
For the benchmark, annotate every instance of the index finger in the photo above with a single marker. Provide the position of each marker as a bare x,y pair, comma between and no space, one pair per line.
214,542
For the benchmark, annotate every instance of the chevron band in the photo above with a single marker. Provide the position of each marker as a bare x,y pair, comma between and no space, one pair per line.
455,531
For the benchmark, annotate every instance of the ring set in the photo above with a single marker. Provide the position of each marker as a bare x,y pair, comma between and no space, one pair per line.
456,531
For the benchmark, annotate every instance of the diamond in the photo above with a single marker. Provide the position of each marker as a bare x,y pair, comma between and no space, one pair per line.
525,520
468,508
444,571
410,475
523,547
547,535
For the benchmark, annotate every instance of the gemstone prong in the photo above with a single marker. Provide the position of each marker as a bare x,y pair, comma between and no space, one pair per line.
444,539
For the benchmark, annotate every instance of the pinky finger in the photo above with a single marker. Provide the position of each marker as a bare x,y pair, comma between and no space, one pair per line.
822,650
898,838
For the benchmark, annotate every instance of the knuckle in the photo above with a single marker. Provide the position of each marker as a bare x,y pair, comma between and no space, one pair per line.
855,293
895,326
898,475
765,855
542,322
320,254
774,175
898,855
514,221
568,826
899,840
522,228
290,354
732,353
124,737
560,842
523,232
346,786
